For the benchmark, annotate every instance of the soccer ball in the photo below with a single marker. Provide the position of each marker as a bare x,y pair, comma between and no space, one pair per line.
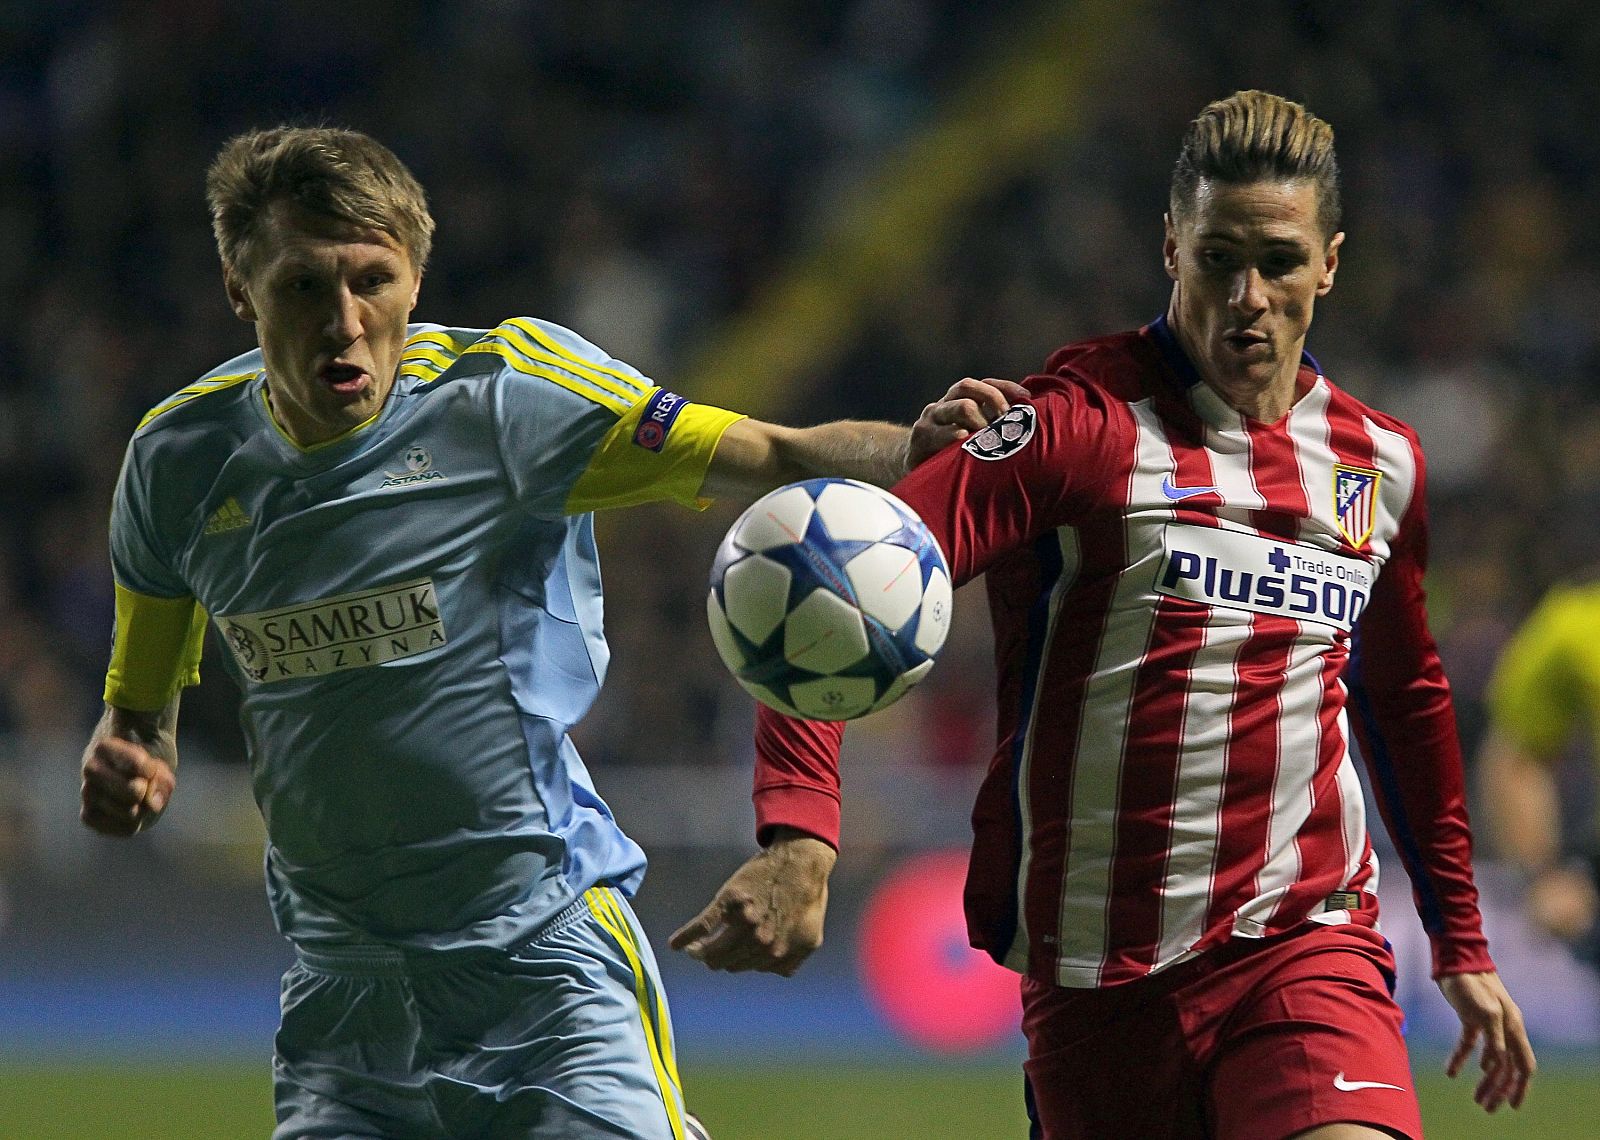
829,599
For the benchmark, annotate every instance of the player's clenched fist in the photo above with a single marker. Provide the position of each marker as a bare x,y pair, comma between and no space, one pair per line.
125,788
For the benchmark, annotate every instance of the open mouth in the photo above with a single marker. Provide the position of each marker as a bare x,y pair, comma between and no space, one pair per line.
345,379
1244,341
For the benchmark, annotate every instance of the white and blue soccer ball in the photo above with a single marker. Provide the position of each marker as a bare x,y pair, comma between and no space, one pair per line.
829,599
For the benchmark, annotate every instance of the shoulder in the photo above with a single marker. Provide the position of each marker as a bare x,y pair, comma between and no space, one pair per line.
214,401
1571,607
530,358
1342,403
1102,372
1113,367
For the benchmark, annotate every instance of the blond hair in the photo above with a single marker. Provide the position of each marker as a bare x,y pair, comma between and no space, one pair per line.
342,174
1256,136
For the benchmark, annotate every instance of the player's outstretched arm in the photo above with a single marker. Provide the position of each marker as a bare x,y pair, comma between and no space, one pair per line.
768,916
1489,1015
753,456
129,769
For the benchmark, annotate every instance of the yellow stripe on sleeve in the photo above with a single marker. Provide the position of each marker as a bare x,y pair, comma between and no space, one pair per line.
609,380
574,384
622,473
156,652
420,353
196,390
439,338
627,382
610,917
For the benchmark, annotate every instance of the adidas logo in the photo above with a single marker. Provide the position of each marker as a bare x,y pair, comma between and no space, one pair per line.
229,516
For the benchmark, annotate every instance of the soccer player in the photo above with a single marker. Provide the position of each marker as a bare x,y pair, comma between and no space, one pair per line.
1204,567
1545,689
390,525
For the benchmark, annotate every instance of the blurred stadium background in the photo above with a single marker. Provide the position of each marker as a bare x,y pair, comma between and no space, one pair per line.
801,210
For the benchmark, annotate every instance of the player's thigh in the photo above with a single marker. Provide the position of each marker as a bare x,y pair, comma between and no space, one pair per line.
579,1043
1111,1062
1318,1043
343,1060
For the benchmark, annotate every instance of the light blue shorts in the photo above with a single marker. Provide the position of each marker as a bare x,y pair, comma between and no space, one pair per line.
567,1036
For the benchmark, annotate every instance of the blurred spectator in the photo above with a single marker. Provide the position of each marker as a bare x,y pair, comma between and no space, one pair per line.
639,171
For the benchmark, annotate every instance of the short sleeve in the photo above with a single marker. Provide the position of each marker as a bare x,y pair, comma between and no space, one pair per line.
580,430
160,628
555,398
141,557
660,450
1534,696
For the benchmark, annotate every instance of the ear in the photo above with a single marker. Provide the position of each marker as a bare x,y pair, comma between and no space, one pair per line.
238,296
1330,263
1169,246
416,290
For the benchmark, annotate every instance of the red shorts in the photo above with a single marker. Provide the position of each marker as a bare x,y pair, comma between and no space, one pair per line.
1256,1040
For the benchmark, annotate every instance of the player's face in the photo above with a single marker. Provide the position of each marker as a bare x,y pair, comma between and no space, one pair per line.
1249,262
330,302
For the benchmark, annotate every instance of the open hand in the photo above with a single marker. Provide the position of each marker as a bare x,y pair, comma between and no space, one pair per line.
768,916
1488,1014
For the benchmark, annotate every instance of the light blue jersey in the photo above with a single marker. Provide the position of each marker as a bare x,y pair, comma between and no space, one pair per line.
413,612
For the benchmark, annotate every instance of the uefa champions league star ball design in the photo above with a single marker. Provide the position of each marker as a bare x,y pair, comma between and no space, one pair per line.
829,599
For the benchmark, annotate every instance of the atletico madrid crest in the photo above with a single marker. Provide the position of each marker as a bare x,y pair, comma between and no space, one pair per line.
1355,501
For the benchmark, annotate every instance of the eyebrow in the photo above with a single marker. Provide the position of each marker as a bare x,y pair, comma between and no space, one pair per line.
1224,235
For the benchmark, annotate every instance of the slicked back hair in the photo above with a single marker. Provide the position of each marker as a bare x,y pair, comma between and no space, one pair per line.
341,174
1256,136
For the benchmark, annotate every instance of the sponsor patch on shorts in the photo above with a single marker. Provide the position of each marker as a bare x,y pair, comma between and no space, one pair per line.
657,418
1006,435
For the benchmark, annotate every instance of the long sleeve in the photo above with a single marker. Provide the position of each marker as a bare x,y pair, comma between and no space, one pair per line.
797,775
979,503
1405,720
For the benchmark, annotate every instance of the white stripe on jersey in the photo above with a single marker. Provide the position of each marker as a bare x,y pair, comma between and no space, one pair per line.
1299,741
1086,945
1103,732
1197,816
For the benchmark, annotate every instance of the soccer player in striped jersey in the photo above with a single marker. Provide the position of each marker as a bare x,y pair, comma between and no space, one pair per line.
1204,567
389,523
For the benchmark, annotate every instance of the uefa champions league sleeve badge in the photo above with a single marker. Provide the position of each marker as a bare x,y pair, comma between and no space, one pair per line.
1006,435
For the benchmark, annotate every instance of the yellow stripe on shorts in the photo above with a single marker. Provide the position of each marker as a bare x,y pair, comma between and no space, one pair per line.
663,1021
610,916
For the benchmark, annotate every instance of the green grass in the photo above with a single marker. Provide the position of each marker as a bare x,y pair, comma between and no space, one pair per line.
769,1103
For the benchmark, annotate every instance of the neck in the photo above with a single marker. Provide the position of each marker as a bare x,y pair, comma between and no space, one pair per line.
1266,399
1266,402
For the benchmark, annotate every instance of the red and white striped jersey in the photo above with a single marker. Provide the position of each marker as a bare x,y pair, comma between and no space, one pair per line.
1191,611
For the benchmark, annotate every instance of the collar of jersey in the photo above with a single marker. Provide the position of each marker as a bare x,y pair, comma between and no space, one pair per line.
327,447
1206,402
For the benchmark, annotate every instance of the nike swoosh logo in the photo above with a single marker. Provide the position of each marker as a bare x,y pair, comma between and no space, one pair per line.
1353,1086
1177,494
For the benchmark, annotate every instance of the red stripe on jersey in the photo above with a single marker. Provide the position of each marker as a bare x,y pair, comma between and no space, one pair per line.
1055,726
1147,791
1243,838
1276,471
1321,838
